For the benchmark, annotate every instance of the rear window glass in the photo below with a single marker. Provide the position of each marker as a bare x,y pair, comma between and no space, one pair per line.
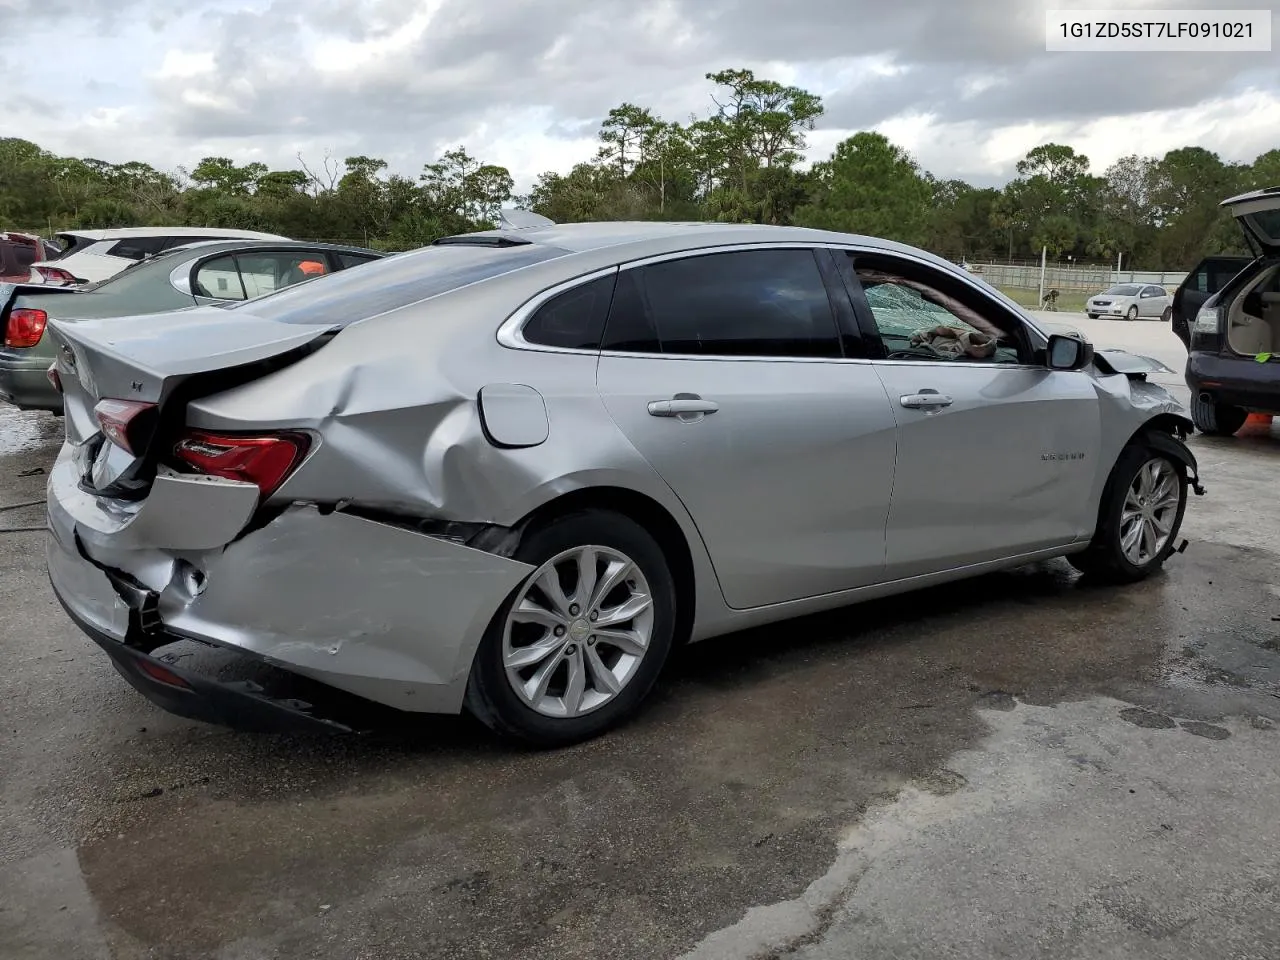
350,295
1268,221
138,248
72,244
16,257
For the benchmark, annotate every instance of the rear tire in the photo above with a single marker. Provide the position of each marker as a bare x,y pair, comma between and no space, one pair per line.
1145,495
575,701
1217,419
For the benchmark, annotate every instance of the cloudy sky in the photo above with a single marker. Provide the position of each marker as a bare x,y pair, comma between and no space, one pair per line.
966,85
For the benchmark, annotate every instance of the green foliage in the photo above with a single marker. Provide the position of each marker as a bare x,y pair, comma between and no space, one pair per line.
741,162
870,187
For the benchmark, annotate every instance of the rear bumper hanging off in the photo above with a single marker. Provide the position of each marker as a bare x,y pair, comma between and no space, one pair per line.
188,694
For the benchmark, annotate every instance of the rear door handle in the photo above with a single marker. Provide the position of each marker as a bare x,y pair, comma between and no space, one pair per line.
923,401
682,407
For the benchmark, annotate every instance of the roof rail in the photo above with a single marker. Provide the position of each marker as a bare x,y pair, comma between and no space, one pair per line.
522,220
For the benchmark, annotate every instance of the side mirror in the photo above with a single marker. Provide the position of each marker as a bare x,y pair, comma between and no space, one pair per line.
1067,353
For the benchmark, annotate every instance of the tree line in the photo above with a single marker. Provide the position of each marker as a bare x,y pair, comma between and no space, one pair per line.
739,162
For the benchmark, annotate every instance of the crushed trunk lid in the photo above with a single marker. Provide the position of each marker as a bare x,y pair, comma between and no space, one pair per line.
145,357
165,359
1258,213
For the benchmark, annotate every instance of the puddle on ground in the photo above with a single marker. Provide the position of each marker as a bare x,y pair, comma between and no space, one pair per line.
22,431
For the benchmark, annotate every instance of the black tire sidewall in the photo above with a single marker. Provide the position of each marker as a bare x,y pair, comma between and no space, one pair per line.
1131,313
1126,468
489,694
1208,418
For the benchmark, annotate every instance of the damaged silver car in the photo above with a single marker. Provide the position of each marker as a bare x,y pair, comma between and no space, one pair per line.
509,472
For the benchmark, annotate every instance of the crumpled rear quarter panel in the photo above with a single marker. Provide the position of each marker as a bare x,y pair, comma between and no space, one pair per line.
382,612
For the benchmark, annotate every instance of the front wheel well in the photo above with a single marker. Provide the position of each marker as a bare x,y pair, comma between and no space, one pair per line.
647,512
1172,423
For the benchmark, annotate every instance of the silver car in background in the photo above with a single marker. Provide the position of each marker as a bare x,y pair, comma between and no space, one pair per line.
510,471
1130,301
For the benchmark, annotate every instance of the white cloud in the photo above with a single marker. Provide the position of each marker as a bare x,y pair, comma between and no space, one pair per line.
965,85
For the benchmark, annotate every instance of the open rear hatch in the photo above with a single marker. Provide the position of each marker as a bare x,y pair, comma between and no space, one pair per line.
1258,213
126,382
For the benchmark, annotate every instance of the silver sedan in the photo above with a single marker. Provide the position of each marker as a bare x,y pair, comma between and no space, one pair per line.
1129,301
509,472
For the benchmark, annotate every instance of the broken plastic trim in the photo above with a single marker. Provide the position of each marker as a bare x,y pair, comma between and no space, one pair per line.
1167,443
487,537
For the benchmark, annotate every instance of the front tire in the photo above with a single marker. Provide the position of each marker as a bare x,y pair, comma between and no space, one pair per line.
1139,517
1132,313
1217,419
580,643
1092,316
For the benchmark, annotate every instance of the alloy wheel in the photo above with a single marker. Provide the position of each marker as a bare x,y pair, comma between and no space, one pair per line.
577,631
1150,509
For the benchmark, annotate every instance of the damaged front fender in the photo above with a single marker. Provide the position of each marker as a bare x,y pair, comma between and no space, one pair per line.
383,612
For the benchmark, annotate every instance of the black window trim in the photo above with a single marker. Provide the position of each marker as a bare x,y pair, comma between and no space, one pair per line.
1028,330
508,333
511,333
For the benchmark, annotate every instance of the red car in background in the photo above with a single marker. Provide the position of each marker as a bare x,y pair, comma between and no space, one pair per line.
18,251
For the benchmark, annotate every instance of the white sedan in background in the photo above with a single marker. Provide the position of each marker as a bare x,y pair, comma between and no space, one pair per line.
1130,301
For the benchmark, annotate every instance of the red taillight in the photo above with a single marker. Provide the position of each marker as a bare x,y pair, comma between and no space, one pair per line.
126,423
263,461
54,377
57,275
25,328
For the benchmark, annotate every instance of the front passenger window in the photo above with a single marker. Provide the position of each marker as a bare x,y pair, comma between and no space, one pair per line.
920,320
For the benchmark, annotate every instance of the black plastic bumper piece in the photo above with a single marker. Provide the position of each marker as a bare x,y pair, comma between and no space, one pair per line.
187,694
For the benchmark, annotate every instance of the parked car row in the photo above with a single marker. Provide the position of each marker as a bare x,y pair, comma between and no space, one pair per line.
509,472
193,274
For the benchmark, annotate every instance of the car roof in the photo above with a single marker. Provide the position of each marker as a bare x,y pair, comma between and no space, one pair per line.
235,243
125,233
545,254
656,237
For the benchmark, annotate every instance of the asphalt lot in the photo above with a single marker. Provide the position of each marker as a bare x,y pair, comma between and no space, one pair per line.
1014,766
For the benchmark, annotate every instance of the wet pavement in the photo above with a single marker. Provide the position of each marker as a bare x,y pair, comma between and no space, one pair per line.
1016,765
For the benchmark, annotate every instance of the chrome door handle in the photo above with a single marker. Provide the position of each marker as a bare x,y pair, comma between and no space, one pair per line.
923,401
681,407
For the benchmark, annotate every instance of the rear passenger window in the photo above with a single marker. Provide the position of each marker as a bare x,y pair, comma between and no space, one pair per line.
758,303
219,279
573,319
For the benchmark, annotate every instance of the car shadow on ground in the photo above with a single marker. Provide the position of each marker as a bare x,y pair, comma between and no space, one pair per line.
997,603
